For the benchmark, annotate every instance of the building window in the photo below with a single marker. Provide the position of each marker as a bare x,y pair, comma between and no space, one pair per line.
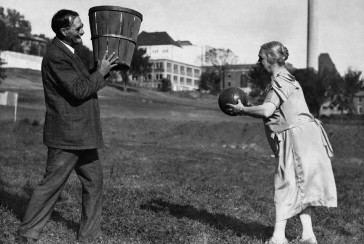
196,72
229,75
168,77
175,68
159,76
169,67
195,82
159,65
243,80
182,80
229,83
360,110
189,81
175,79
189,71
360,99
182,70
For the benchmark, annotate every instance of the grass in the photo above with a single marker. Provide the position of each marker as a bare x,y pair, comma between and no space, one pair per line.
175,171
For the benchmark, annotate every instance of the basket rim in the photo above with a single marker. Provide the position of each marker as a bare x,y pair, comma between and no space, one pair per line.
115,8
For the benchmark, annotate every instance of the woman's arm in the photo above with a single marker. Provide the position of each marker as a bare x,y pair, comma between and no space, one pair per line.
264,110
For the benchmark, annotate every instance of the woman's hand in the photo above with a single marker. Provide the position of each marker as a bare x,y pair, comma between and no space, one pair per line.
236,108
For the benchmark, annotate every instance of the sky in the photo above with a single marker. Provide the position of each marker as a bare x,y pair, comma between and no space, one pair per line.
240,25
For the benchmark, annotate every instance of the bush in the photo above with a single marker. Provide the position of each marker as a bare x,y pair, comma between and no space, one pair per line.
166,85
2,70
344,119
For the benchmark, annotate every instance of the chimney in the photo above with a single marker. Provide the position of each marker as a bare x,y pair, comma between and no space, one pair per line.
312,34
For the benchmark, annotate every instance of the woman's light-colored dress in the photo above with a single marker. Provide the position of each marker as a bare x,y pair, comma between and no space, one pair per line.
304,175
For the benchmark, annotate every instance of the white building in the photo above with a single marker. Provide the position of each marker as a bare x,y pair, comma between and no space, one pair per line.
180,62
182,76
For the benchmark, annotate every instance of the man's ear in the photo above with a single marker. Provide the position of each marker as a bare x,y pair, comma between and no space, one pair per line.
64,32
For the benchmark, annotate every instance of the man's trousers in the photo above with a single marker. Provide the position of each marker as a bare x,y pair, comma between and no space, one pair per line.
60,164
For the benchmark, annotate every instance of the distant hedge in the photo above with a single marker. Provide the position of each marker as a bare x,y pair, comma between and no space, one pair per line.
344,119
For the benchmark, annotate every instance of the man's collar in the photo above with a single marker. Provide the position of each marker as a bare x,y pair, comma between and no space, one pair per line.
68,46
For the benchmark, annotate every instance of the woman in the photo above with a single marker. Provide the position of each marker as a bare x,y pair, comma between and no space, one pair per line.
303,176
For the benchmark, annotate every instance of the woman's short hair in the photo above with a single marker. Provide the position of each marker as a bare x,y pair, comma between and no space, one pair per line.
276,52
62,19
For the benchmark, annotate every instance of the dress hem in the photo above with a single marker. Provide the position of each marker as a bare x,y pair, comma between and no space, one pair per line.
327,204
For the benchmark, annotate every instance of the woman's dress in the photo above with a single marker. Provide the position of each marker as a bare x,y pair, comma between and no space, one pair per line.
304,175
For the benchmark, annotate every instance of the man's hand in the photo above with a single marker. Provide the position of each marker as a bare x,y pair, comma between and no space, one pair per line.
107,63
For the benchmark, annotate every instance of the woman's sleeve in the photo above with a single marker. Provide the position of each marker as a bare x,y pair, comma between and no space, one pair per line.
284,88
272,97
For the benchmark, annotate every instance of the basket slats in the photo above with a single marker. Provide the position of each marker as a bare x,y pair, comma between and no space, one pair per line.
114,29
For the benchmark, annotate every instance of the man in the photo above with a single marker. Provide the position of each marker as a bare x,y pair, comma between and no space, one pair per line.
72,130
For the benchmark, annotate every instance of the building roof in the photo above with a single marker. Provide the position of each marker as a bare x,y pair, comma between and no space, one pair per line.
184,43
32,37
155,38
325,62
233,66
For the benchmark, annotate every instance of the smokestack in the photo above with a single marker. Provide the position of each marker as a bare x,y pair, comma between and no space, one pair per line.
312,34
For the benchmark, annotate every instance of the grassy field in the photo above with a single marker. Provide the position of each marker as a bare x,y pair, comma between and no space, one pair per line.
176,170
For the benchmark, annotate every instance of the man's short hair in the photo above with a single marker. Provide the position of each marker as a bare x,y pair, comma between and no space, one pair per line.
62,19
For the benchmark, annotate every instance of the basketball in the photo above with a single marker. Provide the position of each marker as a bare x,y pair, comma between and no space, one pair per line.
231,95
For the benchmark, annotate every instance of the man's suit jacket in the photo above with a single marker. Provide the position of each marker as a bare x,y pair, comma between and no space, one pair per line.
72,119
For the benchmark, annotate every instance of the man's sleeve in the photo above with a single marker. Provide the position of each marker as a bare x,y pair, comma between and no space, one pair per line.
75,85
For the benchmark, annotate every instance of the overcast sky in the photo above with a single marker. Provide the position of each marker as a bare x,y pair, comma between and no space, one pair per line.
240,25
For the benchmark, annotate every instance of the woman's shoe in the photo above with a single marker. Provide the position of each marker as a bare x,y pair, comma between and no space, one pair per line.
311,240
274,240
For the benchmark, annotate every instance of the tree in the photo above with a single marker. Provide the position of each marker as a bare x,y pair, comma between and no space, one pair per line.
8,36
17,21
219,58
313,90
318,88
140,66
2,70
352,83
210,80
259,78
11,25
166,85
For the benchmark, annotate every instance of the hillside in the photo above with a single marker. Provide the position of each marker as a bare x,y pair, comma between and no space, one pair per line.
210,124
21,79
136,102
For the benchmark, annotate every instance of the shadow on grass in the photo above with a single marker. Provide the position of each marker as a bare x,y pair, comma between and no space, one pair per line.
17,205
218,221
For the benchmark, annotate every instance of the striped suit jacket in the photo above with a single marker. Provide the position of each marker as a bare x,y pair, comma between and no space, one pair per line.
72,119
